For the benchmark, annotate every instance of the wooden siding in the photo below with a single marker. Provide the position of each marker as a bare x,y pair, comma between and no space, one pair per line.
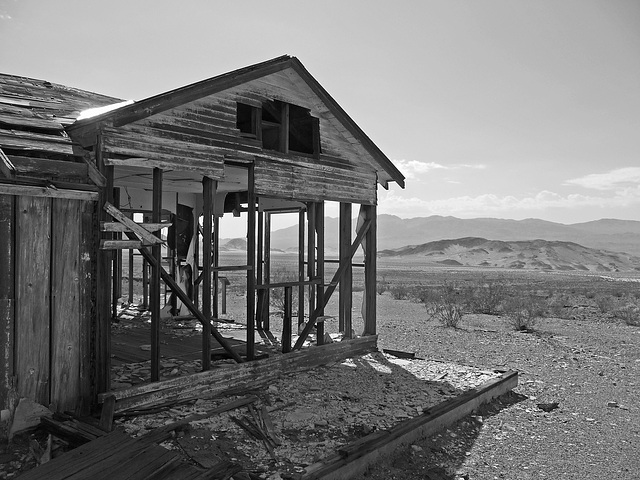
33,256
303,182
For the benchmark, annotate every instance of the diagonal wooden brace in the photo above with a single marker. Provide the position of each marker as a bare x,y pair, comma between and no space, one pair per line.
175,288
333,284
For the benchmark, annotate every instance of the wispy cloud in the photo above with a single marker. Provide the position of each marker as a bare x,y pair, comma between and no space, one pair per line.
490,204
620,178
4,16
411,168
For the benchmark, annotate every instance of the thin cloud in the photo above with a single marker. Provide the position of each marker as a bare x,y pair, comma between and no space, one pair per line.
411,168
490,204
620,178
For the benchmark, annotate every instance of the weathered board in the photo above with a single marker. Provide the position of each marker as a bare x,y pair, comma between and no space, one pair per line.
65,303
32,310
7,296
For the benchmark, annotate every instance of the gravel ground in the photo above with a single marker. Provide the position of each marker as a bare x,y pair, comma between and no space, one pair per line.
588,365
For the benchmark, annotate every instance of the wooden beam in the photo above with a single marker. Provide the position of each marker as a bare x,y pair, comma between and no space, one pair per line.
175,288
208,195
50,192
311,254
260,310
121,244
345,292
332,286
53,169
144,234
7,297
251,261
370,253
266,296
301,288
320,303
120,227
94,173
155,277
286,321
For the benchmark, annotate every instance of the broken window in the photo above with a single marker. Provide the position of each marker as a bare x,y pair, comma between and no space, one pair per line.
281,126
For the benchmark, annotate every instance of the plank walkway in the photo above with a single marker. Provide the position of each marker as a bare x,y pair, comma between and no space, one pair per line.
116,455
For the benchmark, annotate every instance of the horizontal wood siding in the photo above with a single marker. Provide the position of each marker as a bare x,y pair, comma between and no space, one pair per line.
164,152
301,182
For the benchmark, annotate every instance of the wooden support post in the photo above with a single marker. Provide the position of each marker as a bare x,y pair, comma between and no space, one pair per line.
196,260
251,262
346,288
287,320
103,310
301,267
216,261
116,289
225,282
156,250
370,247
7,297
267,272
208,193
131,280
259,271
145,284
320,303
311,254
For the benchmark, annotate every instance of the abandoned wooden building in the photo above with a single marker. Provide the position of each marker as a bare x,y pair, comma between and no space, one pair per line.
78,191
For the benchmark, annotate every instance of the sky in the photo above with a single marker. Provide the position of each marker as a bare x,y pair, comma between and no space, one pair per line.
490,108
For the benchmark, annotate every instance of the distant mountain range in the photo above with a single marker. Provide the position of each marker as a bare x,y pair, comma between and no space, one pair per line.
395,232
522,254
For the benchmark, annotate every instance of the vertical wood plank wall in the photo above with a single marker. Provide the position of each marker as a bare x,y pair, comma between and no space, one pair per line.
7,297
33,256
65,302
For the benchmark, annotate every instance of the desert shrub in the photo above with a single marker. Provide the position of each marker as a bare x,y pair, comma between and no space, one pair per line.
423,294
445,305
590,295
276,295
486,298
629,314
399,291
604,303
382,286
524,310
557,304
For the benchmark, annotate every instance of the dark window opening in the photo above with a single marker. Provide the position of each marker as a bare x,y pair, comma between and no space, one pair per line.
301,130
246,119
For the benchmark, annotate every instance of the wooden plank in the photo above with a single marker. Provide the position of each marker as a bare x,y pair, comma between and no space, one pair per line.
320,303
7,297
54,169
235,378
32,308
208,200
286,321
370,255
29,141
251,261
301,288
146,236
345,294
46,192
352,460
65,303
156,251
94,174
266,296
172,154
119,227
7,168
120,244
9,121
88,293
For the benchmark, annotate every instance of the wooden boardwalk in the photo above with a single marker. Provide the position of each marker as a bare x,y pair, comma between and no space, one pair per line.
118,456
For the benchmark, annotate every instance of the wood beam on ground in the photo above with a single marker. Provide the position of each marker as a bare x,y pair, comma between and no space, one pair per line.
354,459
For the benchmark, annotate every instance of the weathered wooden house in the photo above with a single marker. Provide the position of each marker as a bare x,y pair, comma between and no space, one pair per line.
262,139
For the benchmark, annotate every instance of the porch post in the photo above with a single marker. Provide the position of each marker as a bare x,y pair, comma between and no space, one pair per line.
369,307
345,298
156,251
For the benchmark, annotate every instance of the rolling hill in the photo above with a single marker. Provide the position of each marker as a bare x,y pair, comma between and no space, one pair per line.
521,254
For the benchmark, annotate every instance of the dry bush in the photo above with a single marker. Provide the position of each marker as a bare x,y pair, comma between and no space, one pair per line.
524,310
486,298
445,305
558,305
604,303
629,314
276,295
399,291
382,286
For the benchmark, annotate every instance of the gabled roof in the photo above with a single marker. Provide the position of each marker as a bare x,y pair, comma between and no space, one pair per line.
173,98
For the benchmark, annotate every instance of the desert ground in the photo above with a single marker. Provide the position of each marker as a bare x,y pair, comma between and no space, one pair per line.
575,413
